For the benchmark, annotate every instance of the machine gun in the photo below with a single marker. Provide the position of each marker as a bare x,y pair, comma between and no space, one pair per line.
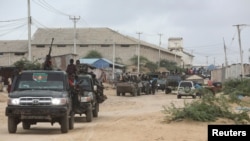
47,62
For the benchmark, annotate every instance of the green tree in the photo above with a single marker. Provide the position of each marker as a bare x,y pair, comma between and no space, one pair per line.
171,66
25,64
118,60
93,54
143,60
151,66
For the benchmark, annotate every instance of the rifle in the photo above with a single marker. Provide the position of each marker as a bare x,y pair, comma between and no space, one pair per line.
47,63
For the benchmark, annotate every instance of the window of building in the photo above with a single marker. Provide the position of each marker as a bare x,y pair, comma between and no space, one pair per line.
124,45
61,45
105,45
40,46
84,45
1,53
19,53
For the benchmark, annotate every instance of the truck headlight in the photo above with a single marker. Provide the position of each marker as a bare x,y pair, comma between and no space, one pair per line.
59,101
85,99
87,96
13,101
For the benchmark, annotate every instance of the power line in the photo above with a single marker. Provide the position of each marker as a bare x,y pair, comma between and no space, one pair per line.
45,5
14,20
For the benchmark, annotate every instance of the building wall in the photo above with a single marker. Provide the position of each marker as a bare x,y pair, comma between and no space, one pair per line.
7,59
125,53
230,72
175,43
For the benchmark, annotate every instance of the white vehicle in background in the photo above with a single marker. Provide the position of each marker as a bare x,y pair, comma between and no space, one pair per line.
186,88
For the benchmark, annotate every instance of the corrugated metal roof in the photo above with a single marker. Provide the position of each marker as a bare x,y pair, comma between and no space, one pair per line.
83,35
88,60
99,62
87,36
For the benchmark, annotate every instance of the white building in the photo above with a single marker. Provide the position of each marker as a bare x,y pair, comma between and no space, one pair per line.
175,45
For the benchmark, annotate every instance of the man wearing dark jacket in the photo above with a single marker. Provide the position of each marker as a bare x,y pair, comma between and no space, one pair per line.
71,68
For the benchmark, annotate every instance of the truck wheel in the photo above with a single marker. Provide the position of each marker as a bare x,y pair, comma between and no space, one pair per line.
71,121
139,91
26,125
194,96
96,110
167,91
89,114
134,93
117,93
12,124
146,91
64,124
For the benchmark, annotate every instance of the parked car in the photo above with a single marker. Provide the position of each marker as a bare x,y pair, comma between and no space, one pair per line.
186,88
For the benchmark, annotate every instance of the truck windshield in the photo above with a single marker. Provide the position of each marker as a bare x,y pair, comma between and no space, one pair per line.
85,83
45,81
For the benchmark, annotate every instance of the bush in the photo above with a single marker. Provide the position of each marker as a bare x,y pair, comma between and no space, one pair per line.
236,87
209,108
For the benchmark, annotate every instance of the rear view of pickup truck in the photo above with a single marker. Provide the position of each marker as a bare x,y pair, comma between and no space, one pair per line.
172,82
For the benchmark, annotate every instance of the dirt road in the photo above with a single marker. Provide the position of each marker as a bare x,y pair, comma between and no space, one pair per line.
121,118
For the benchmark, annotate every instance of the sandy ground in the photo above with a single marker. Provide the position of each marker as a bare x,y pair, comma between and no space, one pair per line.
121,118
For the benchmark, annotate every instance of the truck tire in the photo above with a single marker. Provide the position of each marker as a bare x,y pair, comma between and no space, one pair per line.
25,125
134,92
139,91
71,121
64,122
178,96
167,90
89,114
12,124
117,92
96,110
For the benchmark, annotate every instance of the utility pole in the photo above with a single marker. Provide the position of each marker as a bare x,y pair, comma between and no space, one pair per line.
29,33
113,69
74,19
159,50
138,52
225,51
241,55
207,60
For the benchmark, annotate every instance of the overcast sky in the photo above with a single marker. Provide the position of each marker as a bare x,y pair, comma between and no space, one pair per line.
201,23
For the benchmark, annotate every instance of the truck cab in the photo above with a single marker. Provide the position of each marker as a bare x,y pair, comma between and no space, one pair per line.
40,96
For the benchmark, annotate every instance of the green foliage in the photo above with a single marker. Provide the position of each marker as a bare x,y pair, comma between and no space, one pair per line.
134,60
118,60
144,62
93,54
151,66
209,108
25,64
237,87
171,66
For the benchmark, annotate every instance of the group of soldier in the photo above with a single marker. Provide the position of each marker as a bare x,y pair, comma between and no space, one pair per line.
73,70
140,79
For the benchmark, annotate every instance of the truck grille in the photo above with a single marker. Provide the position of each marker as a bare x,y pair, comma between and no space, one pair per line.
36,101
